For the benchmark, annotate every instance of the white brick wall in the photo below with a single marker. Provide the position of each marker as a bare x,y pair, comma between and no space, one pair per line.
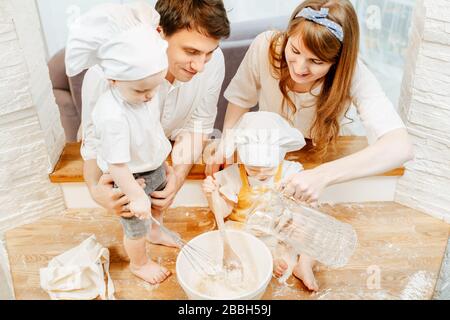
425,106
31,136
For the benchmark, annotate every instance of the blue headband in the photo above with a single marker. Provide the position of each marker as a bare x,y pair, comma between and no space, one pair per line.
320,17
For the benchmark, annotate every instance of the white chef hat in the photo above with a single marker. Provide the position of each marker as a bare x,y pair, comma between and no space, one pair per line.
262,139
121,38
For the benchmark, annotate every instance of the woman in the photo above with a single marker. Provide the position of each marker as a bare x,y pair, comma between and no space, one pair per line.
311,75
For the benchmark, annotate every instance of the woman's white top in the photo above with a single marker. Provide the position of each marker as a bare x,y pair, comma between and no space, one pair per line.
230,184
128,133
254,83
184,106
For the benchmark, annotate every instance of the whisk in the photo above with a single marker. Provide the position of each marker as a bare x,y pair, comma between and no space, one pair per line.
200,260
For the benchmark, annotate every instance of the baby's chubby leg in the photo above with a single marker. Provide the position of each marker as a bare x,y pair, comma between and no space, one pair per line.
284,259
141,265
157,236
304,270
158,182
280,266
134,242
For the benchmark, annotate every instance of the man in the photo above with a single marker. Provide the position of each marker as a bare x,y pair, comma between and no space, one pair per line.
189,95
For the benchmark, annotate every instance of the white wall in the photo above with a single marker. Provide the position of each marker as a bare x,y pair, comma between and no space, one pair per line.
425,105
31,136
56,15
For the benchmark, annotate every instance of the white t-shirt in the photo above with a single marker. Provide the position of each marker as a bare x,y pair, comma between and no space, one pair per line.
254,83
230,184
130,134
189,106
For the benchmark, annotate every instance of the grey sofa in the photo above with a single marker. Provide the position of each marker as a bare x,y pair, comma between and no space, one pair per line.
68,91
234,49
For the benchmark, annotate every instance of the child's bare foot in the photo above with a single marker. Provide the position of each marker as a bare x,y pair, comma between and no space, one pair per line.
304,271
279,267
156,236
151,272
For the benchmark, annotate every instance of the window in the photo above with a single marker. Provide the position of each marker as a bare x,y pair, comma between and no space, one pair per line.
239,10
385,26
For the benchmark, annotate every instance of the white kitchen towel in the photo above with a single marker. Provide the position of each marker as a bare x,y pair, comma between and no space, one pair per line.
79,273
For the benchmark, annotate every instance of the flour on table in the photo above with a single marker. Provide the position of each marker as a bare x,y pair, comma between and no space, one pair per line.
419,284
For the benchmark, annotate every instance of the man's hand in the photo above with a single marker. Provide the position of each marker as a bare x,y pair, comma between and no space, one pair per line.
209,185
213,157
162,200
112,199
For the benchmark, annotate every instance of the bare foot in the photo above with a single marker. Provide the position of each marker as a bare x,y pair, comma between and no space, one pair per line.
304,271
151,272
279,267
156,236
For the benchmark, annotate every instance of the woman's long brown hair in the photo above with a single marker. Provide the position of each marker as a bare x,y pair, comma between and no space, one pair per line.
334,99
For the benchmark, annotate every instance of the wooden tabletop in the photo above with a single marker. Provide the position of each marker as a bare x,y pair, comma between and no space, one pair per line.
70,165
401,247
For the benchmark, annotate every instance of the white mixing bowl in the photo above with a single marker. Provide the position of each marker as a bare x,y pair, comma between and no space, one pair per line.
246,246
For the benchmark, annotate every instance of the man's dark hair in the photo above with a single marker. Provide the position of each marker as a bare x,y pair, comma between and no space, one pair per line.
208,17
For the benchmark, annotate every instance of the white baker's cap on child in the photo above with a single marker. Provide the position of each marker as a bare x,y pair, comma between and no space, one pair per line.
262,139
121,38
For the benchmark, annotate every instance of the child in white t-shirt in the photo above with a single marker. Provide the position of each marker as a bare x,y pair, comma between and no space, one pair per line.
262,140
124,42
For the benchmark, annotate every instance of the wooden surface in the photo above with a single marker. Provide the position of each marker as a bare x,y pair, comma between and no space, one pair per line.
70,165
345,147
402,247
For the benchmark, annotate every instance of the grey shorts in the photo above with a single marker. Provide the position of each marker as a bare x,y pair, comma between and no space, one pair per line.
135,228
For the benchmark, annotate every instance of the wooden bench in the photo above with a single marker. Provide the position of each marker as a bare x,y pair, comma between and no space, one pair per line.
70,165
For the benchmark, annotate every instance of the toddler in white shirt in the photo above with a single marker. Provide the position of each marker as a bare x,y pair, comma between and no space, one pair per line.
124,42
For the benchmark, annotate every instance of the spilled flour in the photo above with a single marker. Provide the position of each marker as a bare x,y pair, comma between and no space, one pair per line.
281,290
419,284
147,286
347,294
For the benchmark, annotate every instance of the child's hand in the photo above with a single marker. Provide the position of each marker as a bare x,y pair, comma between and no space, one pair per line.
210,185
141,207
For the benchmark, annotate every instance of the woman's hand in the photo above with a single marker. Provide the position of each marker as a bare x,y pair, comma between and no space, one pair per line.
112,199
210,185
305,186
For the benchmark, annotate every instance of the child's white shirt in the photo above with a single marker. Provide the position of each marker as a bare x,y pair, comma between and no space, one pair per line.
230,183
185,106
129,134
